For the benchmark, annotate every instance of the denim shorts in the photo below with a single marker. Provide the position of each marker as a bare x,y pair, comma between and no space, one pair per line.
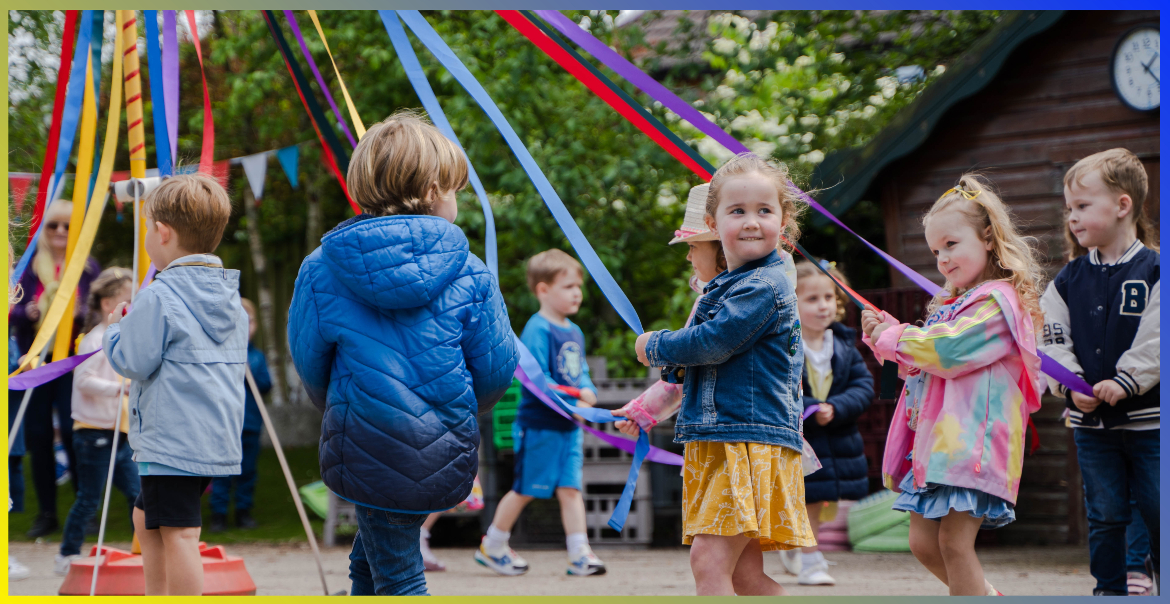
546,460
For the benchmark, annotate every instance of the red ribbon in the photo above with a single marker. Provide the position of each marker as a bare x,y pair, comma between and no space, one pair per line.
68,37
207,158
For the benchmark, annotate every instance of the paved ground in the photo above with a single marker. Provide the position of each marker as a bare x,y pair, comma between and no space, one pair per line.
290,570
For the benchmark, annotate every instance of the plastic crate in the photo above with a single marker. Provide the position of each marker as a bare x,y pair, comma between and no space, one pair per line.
503,415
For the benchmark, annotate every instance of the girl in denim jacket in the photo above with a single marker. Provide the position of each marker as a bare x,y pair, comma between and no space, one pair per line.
955,450
740,364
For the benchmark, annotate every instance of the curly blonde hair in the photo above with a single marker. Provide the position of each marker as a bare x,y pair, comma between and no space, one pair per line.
1012,257
749,163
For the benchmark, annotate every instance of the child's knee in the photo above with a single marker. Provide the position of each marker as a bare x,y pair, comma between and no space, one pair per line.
925,547
180,534
568,494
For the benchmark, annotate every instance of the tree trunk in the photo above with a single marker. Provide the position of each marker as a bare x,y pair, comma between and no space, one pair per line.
267,319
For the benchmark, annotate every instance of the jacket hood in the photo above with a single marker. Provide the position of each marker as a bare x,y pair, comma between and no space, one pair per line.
395,262
206,288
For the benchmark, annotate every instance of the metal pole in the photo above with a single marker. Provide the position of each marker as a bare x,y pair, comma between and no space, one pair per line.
97,563
134,186
292,485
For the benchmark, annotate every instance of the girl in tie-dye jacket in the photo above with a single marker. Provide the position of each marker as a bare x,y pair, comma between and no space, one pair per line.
955,449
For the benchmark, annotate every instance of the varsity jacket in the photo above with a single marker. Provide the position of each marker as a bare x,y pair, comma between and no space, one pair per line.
1101,321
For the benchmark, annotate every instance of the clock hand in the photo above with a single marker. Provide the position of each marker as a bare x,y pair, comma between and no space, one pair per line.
1146,67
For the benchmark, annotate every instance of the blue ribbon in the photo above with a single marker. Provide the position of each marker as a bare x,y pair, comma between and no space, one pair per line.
621,511
99,23
162,140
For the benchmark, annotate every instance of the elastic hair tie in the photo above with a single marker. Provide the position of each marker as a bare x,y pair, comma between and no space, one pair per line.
968,195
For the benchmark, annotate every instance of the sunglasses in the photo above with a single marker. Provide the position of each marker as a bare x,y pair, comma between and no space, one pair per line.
54,226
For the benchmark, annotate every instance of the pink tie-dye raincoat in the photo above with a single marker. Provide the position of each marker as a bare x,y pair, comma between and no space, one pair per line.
972,379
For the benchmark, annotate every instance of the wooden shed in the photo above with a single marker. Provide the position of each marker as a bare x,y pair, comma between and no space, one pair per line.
1030,99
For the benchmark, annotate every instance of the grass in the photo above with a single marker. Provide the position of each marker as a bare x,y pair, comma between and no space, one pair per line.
273,506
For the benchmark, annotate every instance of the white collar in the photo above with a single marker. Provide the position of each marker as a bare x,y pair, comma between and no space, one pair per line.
821,360
1134,248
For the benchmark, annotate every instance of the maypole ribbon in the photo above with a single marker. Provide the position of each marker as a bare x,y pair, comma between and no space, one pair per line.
422,87
78,80
353,114
170,77
207,157
136,130
296,30
72,273
95,45
162,140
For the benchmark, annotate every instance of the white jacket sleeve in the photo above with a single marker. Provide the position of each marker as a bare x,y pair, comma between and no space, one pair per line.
1137,369
1056,339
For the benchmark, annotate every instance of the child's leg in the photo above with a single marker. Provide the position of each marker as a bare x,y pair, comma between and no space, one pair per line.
184,565
956,541
93,458
509,510
572,510
749,578
1101,456
16,482
154,561
1144,451
814,520
713,562
924,544
246,481
430,521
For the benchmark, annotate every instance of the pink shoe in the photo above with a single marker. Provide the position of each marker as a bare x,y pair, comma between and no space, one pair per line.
433,566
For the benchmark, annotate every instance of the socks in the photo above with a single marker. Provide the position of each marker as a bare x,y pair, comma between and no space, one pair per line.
496,539
810,560
575,541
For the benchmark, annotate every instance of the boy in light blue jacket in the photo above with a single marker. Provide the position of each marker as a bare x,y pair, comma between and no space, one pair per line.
184,346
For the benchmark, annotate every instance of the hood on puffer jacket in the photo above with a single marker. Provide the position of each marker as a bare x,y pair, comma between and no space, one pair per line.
207,293
395,262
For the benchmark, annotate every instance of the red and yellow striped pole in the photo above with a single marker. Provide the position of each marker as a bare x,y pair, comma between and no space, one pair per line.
128,26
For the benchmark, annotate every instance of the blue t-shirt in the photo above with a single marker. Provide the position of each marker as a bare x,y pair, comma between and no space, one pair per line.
561,353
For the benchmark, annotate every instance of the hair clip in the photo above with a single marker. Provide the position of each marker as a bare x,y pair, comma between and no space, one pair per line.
968,195
825,264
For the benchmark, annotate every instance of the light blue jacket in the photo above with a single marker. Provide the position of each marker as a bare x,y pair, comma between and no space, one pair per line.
184,346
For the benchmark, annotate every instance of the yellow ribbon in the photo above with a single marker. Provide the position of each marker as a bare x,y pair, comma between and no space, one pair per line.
93,218
135,126
80,193
353,114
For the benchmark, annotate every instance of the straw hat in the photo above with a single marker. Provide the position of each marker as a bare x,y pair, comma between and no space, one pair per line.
693,228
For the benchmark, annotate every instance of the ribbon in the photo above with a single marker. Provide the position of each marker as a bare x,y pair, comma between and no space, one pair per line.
48,168
422,87
78,82
170,77
808,412
162,140
353,114
207,157
296,30
95,45
136,130
617,520
48,372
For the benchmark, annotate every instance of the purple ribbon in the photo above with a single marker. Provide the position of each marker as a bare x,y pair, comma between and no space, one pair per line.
809,411
47,373
170,74
296,29
625,444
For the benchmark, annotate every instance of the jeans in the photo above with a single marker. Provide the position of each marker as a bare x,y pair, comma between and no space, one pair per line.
56,395
1137,542
16,483
1118,466
386,560
245,481
92,448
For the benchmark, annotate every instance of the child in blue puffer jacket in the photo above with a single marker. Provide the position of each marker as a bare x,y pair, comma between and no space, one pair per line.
401,338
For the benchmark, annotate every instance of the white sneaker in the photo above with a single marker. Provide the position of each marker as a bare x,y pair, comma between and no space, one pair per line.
61,564
585,563
816,574
791,560
16,570
506,562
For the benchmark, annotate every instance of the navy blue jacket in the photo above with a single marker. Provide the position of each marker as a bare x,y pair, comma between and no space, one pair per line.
401,337
844,473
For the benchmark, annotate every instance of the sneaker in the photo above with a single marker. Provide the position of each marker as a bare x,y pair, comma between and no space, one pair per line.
430,562
43,525
816,574
791,560
585,563
1139,584
61,564
16,570
1152,572
507,563
218,523
245,520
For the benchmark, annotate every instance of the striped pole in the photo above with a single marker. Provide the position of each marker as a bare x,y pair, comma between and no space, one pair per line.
128,26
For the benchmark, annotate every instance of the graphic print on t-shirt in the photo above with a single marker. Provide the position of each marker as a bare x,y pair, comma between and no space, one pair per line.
569,360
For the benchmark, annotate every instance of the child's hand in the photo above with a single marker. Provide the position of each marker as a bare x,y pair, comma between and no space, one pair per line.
588,398
116,316
640,347
1109,391
877,331
32,311
1086,404
824,414
870,320
625,426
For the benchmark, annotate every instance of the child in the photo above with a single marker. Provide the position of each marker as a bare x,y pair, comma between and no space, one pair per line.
1102,323
548,446
973,377
16,570
98,396
401,337
743,487
838,383
245,482
184,346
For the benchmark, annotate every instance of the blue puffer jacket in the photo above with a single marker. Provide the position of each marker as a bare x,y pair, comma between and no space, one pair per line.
401,337
844,473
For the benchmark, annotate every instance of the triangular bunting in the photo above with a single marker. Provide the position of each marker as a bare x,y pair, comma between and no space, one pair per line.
256,169
18,190
289,157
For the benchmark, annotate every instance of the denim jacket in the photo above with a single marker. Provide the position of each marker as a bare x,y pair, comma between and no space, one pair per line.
742,359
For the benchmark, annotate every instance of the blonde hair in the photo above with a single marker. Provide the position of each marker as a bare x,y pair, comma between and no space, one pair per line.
1123,173
43,263
547,265
107,285
750,163
805,269
398,161
195,206
1012,257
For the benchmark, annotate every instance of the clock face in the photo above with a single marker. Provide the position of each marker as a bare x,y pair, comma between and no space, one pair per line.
1136,68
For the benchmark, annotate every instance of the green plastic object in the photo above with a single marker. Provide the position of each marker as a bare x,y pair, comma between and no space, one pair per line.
893,539
315,496
503,415
873,515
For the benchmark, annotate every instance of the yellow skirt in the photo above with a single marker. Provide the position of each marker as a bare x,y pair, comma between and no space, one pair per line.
745,489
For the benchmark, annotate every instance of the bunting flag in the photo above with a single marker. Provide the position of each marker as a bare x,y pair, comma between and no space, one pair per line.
256,169
289,158
18,190
207,157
